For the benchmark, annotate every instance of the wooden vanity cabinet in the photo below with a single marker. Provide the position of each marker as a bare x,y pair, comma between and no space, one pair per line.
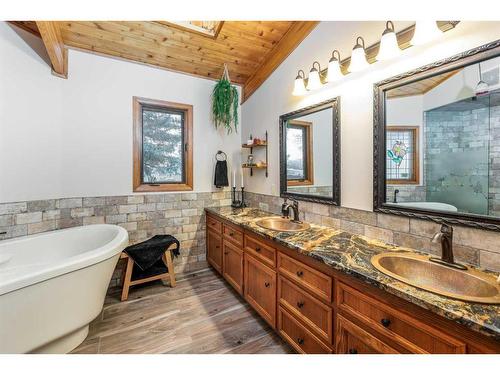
299,336
260,288
214,250
233,265
316,315
317,309
352,339
394,326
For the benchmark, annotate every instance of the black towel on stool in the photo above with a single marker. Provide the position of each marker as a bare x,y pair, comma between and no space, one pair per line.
147,254
220,179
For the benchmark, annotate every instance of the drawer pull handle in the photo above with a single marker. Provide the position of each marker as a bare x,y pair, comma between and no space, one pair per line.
353,351
217,247
257,249
300,273
300,341
266,284
231,234
300,304
385,322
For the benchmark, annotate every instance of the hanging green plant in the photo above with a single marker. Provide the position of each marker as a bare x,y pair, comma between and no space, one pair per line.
225,101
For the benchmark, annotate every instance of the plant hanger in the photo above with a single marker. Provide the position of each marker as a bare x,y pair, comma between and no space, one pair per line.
225,74
225,102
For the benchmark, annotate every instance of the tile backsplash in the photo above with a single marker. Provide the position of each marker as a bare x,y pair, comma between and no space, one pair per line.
143,216
182,215
473,246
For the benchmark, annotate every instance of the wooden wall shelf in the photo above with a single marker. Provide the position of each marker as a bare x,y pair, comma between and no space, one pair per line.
251,147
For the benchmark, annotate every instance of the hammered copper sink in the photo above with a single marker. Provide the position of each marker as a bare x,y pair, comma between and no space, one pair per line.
417,270
281,224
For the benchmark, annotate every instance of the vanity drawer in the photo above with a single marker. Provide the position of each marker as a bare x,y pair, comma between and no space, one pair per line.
352,339
313,281
298,336
233,234
398,327
313,312
214,224
258,249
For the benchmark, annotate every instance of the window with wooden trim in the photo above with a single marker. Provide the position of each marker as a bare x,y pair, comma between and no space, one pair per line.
299,153
163,150
402,155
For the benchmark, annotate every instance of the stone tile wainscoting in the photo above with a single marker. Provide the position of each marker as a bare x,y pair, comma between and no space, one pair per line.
472,246
143,216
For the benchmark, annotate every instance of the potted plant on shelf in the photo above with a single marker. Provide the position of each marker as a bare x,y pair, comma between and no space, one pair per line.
225,100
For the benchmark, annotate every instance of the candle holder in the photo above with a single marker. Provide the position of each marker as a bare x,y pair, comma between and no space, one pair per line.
238,198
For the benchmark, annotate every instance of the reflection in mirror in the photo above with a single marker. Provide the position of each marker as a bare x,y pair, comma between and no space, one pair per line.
308,143
309,154
443,141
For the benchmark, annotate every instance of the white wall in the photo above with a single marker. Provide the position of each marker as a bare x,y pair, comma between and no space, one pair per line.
66,138
273,98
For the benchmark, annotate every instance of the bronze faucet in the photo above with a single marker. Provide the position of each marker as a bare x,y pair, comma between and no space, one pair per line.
446,238
285,210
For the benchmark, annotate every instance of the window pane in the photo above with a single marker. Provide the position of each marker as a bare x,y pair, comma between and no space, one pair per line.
400,154
295,160
162,133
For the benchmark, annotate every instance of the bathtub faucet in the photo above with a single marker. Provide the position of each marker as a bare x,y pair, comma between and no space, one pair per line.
395,199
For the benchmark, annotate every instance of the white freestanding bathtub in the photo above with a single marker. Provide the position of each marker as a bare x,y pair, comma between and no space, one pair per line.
52,285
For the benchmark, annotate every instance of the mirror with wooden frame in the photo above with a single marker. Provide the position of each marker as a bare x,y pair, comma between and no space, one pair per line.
310,153
437,141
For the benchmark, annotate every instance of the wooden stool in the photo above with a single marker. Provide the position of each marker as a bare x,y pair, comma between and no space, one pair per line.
127,281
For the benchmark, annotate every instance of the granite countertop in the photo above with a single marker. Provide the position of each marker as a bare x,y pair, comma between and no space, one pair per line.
351,254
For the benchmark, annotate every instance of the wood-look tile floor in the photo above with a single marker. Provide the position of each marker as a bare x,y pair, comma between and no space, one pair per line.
202,314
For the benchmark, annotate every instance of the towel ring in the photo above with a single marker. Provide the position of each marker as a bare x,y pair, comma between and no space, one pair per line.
220,156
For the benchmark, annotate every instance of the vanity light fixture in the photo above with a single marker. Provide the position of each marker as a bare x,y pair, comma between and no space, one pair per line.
334,72
314,81
299,87
425,31
389,46
358,57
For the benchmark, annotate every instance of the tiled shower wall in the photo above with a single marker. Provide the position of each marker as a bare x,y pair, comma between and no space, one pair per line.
473,246
450,133
143,216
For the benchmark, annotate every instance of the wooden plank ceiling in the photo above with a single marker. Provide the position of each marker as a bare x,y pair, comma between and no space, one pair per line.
420,87
251,49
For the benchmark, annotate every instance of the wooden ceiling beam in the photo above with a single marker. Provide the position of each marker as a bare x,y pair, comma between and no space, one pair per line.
296,34
58,53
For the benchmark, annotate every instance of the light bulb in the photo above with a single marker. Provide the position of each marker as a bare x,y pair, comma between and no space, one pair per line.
299,87
358,56
334,71
482,87
389,47
425,31
313,81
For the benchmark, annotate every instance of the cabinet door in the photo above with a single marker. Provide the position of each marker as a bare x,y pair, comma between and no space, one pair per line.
214,250
233,265
260,288
352,339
